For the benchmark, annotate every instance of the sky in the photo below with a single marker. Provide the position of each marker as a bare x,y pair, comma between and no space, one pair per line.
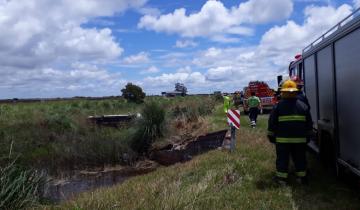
69,48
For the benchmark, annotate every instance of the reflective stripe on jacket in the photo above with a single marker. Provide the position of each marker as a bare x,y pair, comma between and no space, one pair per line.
290,121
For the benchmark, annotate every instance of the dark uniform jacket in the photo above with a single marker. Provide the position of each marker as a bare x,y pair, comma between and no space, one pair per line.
290,122
302,97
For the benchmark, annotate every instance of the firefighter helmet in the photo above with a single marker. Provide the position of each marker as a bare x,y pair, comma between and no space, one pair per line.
289,86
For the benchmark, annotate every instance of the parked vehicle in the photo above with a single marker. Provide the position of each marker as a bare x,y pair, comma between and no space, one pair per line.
263,91
329,69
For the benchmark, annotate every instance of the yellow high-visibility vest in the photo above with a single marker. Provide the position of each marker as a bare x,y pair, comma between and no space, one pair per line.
226,103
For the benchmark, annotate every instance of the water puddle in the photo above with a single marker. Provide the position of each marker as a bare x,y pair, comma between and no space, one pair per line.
59,190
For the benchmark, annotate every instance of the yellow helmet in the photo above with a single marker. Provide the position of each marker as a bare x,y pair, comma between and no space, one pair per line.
289,86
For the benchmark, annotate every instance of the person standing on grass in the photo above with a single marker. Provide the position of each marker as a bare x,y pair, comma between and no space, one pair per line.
254,108
289,128
227,102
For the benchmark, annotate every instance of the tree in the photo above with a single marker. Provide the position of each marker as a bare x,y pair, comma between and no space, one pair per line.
133,93
181,88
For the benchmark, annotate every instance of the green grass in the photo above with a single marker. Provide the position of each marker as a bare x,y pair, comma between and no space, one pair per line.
223,180
57,136
19,188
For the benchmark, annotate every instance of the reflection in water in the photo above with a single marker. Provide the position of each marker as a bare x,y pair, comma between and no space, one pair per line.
59,190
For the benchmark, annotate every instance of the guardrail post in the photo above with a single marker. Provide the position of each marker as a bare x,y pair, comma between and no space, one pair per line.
233,138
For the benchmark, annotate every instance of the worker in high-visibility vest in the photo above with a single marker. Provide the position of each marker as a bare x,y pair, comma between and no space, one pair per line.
227,102
254,104
290,127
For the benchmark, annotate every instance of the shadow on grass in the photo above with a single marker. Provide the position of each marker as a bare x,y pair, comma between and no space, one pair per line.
265,182
324,191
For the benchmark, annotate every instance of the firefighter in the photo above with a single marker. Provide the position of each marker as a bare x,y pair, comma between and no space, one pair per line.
289,128
254,108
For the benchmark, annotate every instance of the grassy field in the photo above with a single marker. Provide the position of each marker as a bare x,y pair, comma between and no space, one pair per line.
223,180
57,136
46,139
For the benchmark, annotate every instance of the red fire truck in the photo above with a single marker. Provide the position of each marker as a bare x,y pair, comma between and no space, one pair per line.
263,91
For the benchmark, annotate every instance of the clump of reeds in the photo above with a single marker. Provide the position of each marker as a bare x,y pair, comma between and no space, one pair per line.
19,188
150,126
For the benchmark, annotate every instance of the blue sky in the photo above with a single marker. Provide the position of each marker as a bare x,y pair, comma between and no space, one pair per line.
94,47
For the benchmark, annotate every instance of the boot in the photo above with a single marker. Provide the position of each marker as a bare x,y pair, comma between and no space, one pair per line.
253,124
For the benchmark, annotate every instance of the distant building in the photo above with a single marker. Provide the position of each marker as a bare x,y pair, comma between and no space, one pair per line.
172,94
180,90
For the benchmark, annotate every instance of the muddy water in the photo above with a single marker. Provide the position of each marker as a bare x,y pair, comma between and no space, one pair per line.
63,189
59,190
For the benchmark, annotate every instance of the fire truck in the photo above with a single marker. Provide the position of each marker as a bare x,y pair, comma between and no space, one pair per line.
329,68
263,91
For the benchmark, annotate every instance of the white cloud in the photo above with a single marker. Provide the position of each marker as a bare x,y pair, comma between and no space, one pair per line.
221,57
185,43
221,73
139,58
79,79
150,70
262,11
167,80
216,21
232,68
41,39
149,11
186,69
224,39
356,3
175,59
289,39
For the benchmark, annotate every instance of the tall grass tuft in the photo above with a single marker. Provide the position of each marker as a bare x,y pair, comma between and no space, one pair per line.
150,127
191,110
19,188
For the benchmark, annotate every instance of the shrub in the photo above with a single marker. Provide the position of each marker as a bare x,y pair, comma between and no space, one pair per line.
151,127
133,93
59,122
218,96
19,188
